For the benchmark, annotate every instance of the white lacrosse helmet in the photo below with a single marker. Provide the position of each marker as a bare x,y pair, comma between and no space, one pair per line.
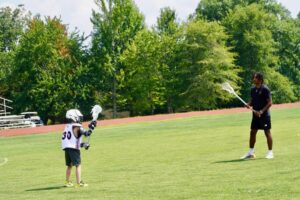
74,115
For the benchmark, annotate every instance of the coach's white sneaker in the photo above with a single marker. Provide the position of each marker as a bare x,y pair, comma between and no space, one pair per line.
248,156
270,155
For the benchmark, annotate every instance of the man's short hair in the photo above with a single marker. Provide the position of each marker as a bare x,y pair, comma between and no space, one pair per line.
258,76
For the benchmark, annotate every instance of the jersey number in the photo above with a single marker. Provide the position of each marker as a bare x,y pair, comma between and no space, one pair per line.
66,135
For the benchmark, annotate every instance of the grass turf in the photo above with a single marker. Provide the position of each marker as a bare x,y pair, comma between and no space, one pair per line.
189,158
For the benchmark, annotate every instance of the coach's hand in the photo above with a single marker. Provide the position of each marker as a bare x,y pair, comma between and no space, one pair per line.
257,113
247,106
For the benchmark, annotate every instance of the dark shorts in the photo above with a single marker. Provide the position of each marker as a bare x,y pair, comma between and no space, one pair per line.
263,122
72,157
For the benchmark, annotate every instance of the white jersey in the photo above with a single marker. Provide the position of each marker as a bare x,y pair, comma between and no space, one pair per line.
68,139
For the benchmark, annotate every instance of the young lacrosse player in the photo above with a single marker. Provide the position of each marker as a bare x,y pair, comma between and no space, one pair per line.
71,143
260,101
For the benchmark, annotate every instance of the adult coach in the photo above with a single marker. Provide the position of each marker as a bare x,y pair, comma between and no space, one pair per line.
260,101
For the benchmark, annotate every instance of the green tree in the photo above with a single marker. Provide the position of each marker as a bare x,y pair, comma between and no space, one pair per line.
216,10
286,33
115,25
150,67
12,23
166,22
205,63
252,39
45,77
170,37
143,77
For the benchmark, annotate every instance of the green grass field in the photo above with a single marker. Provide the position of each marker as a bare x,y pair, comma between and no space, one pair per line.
190,158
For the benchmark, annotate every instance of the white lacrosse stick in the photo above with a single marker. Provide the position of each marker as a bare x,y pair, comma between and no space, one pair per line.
96,110
226,86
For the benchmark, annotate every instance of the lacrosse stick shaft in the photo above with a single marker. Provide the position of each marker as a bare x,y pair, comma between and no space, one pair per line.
88,140
226,86
242,100
95,113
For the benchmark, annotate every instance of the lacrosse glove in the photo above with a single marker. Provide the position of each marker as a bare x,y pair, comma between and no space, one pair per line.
88,133
85,145
92,125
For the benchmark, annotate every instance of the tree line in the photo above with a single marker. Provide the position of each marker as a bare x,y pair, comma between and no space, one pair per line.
170,67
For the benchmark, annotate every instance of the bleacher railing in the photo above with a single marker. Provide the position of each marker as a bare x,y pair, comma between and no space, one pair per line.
4,106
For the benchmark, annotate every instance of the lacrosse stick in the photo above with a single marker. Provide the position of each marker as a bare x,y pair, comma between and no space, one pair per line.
226,86
96,110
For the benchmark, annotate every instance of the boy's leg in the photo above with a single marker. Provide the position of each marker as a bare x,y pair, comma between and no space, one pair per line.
78,174
68,173
80,183
76,161
69,168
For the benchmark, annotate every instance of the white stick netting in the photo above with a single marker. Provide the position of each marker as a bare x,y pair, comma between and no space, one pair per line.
226,86
95,112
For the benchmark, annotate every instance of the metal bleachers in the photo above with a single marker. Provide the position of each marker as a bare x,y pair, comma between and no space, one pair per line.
14,121
8,121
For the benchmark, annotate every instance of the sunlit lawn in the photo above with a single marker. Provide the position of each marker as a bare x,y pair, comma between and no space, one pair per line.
190,158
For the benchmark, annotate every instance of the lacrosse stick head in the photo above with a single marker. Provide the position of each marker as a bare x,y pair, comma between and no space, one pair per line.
226,86
96,110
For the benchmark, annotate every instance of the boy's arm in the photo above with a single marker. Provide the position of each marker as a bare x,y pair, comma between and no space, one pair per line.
76,131
79,131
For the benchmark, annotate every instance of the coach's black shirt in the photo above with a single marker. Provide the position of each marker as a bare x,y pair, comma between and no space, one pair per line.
260,98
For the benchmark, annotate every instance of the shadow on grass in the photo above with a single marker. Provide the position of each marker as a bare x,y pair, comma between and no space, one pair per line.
45,188
237,160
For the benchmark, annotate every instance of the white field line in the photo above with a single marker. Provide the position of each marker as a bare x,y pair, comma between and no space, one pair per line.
3,161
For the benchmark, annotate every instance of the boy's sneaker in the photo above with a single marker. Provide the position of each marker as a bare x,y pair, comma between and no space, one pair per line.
68,184
81,184
269,155
248,156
